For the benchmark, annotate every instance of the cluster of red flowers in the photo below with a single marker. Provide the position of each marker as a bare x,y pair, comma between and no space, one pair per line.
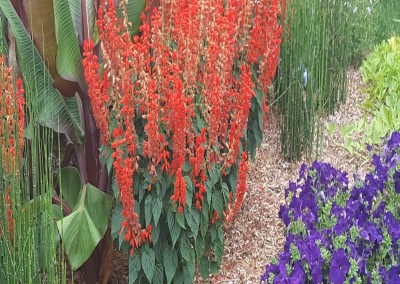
12,105
181,62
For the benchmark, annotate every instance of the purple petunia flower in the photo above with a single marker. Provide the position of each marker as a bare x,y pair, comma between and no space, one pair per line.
381,170
298,275
394,141
340,266
394,275
393,226
396,178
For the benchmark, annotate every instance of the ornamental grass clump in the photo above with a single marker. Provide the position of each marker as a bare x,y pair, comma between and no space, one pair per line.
340,234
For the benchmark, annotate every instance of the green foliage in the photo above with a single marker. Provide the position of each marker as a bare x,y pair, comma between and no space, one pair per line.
86,225
311,77
370,25
53,111
28,245
381,74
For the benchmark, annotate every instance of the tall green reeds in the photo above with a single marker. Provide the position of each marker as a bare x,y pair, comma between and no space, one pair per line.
311,77
28,247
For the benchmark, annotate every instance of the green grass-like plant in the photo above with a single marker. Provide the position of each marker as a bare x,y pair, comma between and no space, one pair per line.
311,76
28,248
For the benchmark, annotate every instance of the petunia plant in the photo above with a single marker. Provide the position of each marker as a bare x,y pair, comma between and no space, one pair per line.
341,234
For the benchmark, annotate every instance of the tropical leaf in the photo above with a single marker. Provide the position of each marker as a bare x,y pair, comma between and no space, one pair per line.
86,225
70,185
41,23
68,59
75,7
134,9
53,111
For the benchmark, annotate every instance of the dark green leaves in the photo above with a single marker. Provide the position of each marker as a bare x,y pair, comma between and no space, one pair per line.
70,185
170,262
157,209
174,228
148,263
135,265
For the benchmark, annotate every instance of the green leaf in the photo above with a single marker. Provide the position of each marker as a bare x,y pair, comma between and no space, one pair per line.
116,221
174,228
195,222
134,9
204,267
158,274
178,279
214,267
135,263
52,109
57,212
225,192
86,225
189,191
181,220
68,60
219,249
199,247
214,175
80,236
187,250
99,205
75,7
186,167
70,185
218,202
188,273
170,262
148,263
157,209
148,208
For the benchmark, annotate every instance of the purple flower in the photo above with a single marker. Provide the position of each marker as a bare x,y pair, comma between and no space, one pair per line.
340,265
379,210
298,275
381,170
393,226
396,178
374,234
394,275
311,254
394,141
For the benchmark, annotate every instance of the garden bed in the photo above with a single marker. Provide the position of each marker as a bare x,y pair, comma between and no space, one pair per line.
256,235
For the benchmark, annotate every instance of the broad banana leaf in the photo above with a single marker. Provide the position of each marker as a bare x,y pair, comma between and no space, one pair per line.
53,111
68,59
76,13
40,19
134,9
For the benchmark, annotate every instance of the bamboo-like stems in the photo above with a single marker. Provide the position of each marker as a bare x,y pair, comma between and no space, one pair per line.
311,77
